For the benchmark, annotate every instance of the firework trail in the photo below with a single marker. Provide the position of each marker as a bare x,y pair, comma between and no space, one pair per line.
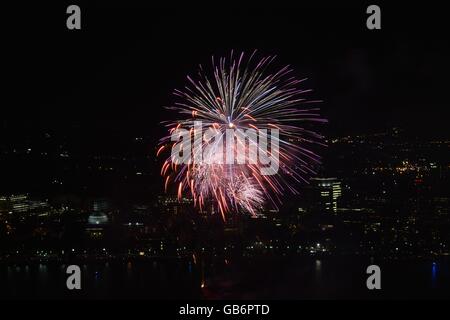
241,94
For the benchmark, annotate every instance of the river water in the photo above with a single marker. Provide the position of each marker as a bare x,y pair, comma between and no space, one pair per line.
244,278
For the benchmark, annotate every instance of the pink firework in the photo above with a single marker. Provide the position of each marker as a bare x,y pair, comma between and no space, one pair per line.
241,96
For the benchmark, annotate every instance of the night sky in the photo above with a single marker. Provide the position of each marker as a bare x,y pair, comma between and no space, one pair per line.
114,76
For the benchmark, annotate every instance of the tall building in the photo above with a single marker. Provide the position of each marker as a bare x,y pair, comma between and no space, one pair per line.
325,194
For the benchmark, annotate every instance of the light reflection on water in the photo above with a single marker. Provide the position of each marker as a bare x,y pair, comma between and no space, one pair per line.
434,271
313,278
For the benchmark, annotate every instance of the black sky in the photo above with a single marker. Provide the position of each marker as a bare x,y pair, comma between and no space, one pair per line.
115,75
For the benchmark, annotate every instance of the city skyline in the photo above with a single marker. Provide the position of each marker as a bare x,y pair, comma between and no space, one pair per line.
81,182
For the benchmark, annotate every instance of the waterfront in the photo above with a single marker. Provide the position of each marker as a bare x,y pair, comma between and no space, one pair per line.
248,278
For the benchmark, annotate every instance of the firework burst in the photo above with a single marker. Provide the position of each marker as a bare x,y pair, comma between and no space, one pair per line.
240,94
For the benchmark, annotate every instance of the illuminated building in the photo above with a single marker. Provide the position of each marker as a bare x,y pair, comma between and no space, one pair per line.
98,218
102,205
170,204
326,192
97,221
20,204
